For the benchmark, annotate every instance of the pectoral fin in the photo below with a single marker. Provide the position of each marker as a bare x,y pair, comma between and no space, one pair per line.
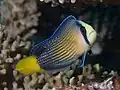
83,59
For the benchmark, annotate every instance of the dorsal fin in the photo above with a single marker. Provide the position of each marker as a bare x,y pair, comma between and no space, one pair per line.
38,49
61,31
64,26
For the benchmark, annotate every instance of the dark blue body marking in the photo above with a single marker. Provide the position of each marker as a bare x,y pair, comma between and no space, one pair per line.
83,60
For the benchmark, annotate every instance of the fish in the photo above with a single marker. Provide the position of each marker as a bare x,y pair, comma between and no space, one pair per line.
73,38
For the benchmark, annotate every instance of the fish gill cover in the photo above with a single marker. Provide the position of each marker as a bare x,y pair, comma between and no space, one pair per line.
22,21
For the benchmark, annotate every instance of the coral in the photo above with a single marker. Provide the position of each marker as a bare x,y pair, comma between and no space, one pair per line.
57,2
110,83
20,20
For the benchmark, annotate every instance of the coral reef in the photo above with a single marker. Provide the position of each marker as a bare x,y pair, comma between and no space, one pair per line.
20,19
57,2
109,84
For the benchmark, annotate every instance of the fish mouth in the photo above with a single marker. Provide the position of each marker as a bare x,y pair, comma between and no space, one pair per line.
92,37
91,32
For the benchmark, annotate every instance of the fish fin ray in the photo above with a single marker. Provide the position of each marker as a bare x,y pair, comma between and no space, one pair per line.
64,26
38,49
83,60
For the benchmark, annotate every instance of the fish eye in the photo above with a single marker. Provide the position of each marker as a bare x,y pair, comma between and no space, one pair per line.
82,29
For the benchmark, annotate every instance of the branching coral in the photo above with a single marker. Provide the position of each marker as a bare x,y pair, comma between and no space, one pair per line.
20,16
57,2
20,20
110,83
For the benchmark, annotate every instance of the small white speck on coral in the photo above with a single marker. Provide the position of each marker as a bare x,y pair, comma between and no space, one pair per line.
61,1
5,88
73,1
3,71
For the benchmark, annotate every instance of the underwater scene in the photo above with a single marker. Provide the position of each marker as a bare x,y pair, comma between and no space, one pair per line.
59,45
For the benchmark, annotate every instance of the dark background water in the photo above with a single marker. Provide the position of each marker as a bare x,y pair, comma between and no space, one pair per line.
98,15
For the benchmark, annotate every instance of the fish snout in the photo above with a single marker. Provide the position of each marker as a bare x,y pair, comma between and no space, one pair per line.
92,37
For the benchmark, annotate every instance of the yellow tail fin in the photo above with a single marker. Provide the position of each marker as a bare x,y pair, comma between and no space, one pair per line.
29,65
